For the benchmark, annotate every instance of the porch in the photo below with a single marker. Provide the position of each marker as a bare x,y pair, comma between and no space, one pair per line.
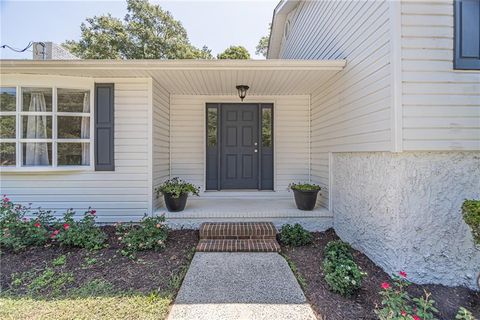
251,206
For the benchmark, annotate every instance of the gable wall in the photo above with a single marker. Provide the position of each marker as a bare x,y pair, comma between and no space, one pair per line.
441,106
351,111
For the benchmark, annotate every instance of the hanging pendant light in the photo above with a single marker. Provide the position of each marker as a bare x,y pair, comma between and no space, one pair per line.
242,91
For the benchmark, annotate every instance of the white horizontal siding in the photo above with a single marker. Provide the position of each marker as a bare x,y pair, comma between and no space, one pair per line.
291,137
120,195
441,106
161,138
352,110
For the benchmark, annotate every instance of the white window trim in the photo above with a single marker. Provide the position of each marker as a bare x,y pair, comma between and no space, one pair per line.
53,82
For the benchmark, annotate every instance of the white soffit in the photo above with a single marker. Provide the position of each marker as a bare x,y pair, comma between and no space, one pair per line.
202,77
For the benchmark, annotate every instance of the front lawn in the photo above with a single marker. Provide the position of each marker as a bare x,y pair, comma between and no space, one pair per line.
307,263
55,282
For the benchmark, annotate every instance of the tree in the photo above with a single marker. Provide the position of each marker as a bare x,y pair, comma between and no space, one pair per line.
234,52
146,32
262,46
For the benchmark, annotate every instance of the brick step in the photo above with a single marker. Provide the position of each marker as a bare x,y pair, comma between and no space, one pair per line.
229,245
237,230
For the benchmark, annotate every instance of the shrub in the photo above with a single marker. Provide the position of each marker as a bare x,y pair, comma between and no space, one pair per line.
176,187
295,235
83,233
464,314
342,274
471,215
338,250
397,303
151,233
18,232
304,186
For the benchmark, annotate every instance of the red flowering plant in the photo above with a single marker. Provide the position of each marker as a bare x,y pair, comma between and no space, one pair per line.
83,233
398,305
150,234
17,231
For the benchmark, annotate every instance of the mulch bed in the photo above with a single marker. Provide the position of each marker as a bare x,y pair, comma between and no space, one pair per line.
149,272
332,306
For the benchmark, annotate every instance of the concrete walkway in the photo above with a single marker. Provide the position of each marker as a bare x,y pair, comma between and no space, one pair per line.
229,286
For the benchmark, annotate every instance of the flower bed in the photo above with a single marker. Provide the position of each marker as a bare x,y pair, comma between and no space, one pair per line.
308,261
59,282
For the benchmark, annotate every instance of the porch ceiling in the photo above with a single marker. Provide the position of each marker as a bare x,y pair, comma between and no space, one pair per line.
197,77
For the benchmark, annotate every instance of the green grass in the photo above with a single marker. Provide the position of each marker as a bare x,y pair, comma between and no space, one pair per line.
96,299
126,306
300,279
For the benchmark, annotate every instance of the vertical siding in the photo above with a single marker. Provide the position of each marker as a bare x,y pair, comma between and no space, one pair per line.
120,195
291,140
351,111
441,106
161,138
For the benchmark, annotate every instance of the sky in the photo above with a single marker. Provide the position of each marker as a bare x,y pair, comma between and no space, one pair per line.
217,24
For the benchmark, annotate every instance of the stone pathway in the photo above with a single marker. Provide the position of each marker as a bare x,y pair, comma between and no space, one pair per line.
227,286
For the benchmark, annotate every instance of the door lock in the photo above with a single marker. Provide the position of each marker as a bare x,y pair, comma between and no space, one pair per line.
255,144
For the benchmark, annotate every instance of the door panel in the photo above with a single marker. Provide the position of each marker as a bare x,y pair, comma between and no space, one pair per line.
238,159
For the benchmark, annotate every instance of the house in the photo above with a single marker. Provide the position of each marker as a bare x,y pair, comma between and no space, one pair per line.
377,102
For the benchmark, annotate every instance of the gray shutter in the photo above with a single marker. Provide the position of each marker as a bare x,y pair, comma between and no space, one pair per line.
104,127
467,34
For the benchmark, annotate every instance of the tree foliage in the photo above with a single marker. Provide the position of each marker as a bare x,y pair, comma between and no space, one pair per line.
234,52
262,46
146,32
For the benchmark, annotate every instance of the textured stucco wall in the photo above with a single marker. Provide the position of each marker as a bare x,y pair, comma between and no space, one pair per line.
403,211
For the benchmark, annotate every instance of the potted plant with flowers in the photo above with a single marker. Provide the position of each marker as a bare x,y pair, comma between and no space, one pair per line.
175,192
305,195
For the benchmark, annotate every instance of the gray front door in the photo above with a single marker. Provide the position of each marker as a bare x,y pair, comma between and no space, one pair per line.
239,146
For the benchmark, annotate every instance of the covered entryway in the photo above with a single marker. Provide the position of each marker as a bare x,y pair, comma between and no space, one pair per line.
239,146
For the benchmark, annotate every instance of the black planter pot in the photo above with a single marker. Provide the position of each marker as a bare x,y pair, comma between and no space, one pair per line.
305,200
175,204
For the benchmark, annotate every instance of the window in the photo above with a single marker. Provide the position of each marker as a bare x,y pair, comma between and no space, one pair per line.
45,127
212,123
467,35
266,126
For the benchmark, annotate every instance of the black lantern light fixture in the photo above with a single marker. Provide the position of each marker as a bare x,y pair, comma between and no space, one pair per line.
242,91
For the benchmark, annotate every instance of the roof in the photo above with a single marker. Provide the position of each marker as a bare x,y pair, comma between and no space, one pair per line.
278,25
206,77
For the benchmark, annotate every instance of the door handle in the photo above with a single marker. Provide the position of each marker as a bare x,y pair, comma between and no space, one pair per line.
255,150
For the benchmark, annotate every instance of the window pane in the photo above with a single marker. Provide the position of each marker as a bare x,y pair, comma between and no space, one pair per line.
7,154
37,154
73,154
37,99
266,127
73,100
7,127
73,127
212,127
8,99
37,127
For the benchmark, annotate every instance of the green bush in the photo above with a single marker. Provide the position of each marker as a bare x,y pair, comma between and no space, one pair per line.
464,314
176,187
295,235
471,215
342,274
82,234
304,186
338,250
151,233
18,232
